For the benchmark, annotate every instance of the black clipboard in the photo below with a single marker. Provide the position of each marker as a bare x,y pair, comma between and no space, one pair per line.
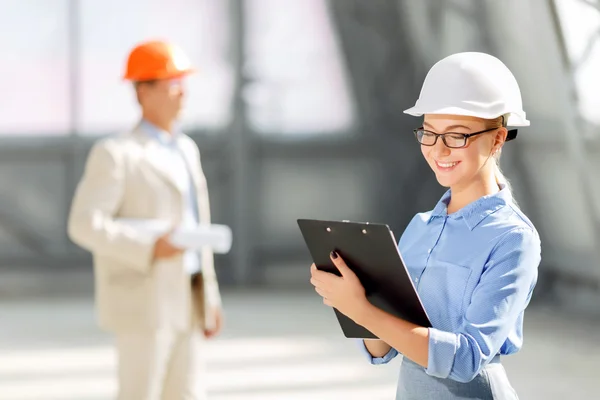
371,251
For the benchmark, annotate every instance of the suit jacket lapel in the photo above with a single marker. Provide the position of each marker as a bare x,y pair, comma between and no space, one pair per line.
158,157
191,163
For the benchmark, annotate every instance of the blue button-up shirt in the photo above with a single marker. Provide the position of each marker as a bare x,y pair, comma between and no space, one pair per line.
475,271
189,217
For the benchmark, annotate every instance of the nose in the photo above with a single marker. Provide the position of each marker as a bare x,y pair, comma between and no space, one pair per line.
181,90
177,88
440,149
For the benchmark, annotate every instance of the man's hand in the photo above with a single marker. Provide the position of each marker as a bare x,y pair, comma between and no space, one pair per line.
164,249
210,333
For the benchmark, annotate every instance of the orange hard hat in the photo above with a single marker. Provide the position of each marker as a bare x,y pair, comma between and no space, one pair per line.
156,60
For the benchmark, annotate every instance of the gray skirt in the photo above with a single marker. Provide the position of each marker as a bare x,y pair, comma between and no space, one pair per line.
491,384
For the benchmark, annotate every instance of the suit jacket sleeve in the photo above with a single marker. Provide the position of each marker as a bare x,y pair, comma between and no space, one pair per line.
96,201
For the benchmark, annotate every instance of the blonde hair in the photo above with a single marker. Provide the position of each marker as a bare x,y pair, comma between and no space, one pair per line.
500,178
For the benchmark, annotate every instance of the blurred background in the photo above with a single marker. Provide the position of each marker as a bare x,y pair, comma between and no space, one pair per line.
297,111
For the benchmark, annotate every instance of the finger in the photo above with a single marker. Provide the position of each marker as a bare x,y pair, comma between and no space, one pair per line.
170,250
322,293
321,286
315,282
314,271
317,273
327,302
341,265
325,277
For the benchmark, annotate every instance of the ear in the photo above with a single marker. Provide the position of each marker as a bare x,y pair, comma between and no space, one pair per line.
140,89
499,139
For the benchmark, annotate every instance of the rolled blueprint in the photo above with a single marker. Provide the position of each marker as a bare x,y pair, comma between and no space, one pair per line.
217,237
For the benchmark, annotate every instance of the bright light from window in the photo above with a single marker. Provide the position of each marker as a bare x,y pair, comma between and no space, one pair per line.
110,28
580,21
296,67
34,70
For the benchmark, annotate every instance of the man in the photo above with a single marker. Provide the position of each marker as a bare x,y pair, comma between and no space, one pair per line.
159,301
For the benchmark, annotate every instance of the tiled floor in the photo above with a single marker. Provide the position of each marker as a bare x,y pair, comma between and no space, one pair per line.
277,345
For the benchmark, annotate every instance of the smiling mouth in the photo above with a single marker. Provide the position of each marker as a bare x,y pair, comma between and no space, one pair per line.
446,166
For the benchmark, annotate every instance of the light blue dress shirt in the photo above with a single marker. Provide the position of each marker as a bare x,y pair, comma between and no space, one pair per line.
475,271
178,162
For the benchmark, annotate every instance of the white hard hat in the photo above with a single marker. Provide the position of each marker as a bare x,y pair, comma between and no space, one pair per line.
471,84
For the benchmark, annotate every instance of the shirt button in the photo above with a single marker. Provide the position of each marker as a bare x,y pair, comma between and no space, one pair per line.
429,251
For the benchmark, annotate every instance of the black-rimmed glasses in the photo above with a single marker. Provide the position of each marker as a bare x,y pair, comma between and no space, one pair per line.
451,139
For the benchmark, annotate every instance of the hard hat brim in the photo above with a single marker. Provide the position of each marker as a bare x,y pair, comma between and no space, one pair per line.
161,76
514,119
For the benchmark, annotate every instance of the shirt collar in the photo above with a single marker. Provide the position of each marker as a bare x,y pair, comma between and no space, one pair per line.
475,212
162,136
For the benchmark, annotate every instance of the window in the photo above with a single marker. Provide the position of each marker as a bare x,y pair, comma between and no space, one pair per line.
580,22
296,70
34,71
111,28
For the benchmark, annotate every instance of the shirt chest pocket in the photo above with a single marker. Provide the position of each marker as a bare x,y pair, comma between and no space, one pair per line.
443,290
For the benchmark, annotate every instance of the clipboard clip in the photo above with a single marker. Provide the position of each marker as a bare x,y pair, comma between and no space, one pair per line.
364,231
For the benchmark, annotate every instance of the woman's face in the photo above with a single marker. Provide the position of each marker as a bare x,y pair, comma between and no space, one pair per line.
460,167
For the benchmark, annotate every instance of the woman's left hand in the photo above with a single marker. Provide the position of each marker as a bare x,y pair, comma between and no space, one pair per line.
344,293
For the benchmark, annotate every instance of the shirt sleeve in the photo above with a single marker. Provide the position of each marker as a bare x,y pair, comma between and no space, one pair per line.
499,299
376,360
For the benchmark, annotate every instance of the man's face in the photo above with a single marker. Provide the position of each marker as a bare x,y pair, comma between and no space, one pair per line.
163,98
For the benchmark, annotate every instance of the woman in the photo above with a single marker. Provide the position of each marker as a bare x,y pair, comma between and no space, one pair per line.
473,258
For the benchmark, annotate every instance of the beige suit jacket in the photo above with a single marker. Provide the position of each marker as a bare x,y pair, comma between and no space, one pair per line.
126,177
